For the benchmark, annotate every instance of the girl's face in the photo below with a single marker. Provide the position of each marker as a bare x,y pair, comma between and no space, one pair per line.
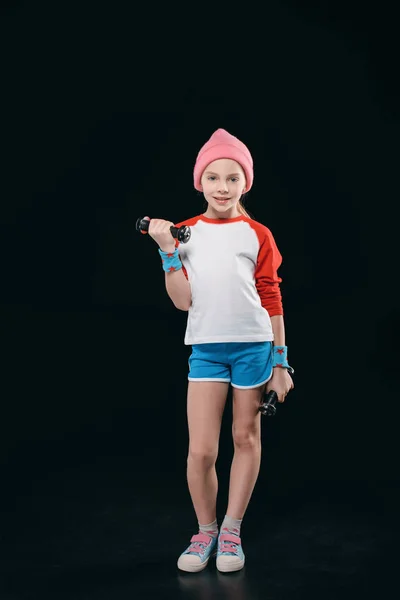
223,184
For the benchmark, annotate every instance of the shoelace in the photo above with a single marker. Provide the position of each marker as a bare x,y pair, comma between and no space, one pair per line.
197,547
228,546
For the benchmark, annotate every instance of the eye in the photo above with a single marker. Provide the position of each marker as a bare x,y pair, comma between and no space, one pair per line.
235,178
211,177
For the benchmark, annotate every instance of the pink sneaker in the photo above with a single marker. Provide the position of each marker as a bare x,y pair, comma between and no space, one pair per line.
196,556
230,556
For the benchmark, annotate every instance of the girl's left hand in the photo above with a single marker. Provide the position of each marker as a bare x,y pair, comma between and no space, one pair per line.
281,382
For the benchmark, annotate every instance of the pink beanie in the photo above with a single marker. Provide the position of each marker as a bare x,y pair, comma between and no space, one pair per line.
223,145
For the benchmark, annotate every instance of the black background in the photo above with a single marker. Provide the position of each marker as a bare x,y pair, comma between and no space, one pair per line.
105,107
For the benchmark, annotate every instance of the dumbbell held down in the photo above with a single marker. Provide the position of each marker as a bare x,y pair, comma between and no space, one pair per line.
182,234
268,407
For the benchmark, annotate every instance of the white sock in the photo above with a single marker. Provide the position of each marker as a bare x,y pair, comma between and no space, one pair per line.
210,529
232,525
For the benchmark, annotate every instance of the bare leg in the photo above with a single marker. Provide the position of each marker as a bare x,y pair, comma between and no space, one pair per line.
246,431
205,406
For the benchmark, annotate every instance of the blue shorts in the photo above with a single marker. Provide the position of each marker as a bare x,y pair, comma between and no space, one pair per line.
245,365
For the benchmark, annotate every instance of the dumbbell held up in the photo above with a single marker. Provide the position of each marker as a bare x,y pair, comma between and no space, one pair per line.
182,234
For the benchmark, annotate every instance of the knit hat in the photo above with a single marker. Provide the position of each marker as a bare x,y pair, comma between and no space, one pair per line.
223,145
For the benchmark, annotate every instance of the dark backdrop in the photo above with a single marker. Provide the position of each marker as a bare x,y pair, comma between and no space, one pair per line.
105,111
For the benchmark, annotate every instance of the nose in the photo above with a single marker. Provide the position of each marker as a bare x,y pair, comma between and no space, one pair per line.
222,187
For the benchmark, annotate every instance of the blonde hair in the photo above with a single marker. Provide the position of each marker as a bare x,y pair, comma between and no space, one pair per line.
242,209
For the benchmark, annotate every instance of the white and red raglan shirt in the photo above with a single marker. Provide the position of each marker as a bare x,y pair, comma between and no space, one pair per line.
231,265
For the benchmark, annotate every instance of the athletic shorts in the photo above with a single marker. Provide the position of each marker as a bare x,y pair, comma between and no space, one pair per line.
245,365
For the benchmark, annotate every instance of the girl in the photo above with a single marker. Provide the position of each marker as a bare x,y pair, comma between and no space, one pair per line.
226,277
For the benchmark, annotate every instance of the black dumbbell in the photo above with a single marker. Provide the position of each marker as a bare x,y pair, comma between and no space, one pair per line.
182,234
268,407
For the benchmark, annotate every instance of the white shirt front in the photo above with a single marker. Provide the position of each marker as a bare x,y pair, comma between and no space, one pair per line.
223,260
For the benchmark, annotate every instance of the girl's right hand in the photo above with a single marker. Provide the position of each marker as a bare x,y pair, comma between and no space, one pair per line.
160,231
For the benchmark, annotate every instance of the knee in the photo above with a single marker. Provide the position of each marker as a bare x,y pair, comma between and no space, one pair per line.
246,437
202,458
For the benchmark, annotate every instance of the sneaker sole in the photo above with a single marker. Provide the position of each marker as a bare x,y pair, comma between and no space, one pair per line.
195,568
230,568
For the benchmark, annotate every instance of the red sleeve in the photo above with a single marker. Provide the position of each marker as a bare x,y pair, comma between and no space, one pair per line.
266,273
192,221
185,272
183,268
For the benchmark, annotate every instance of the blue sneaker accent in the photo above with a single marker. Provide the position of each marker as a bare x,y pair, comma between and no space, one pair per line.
197,554
230,555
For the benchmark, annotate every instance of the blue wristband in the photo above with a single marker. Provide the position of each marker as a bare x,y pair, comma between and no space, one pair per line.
279,358
170,260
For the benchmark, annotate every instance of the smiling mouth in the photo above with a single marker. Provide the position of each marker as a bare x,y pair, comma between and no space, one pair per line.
221,199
